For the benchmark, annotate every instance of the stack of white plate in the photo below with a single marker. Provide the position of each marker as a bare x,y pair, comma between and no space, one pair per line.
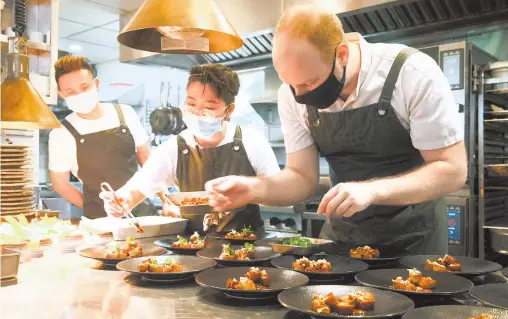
16,180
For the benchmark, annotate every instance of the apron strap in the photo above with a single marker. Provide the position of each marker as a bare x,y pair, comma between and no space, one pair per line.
119,112
71,130
237,142
391,79
182,146
313,116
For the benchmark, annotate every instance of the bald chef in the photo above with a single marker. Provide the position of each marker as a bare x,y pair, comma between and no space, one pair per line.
384,118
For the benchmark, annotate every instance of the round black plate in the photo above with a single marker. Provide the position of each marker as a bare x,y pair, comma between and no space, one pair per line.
191,265
262,254
97,253
453,311
505,271
387,254
388,304
340,266
470,266
447,285
495,295
279,280
166,243
260,234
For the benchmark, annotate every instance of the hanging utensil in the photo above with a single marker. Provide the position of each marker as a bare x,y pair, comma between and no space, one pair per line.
162,95
168,98
105,187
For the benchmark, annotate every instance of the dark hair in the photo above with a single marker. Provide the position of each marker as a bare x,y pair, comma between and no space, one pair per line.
72,63
223,80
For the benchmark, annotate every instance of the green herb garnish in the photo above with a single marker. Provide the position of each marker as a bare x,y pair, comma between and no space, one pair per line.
297,241
153,261
249,246
130,240
181,240
168,262
227,250
247,230
197,238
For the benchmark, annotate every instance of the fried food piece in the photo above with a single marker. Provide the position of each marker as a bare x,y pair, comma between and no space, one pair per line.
455,267
304,264
415,276
246,233
195,241
192,200
427,283
401,284
130,249
449,259
319,305
364,300
152,265
483,316
434,266
445,264
364,252
255,279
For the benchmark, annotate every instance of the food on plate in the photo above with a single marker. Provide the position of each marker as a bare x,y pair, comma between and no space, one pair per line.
297,241
304,264
364,252
255,279
44,231
414,282
446,264
247,252
193,200
356,303
246,233
483,316
131,249
152,265
195,241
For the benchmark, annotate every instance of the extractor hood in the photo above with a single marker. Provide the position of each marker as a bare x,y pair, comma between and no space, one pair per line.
377,20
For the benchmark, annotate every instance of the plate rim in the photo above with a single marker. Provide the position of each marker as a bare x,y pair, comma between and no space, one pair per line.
163,274
460,272
246,262
487,302
455,306
333,316
116,260
319,274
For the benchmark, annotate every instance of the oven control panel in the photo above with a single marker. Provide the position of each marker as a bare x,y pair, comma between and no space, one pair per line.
454,224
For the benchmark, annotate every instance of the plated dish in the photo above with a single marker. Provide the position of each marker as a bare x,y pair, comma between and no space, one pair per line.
299,245
443,264
456,311
234,255
247,252
99,252
245,233
309,265
130,249
424,283
495,295
152,264
239,236
468,266
194,242
254,279
342,301
374,255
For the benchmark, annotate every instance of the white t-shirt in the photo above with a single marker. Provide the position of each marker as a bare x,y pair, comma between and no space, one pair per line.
422,99
62,145
159,172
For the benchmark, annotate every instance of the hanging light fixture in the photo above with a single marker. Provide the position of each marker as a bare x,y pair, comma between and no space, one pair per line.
22,106
180,27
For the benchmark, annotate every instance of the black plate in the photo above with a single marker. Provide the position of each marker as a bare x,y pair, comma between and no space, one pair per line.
453,311
505,271
97,253
388,304
447,285
262,254
495,295
470,266
191,265
166,243
340,266
279,280
387,254
260,234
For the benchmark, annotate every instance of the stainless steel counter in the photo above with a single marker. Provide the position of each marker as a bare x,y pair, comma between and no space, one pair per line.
67,286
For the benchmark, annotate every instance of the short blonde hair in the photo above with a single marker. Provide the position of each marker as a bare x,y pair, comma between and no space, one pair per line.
317,26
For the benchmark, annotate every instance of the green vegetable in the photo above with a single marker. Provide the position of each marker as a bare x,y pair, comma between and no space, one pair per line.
297,241
249,246
247,230
181,240
153,261
168,262
227,250
129,240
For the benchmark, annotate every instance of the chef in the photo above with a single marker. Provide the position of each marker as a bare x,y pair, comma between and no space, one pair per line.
99,142
383,117
211,147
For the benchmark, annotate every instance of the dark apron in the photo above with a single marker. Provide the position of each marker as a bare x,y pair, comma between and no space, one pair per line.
370,142
106,156
197,166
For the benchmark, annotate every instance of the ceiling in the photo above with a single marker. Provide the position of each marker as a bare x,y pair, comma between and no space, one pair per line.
90,27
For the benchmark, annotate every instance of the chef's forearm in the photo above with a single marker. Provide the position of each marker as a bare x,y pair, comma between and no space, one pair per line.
425,183
70,193
132,195
284,189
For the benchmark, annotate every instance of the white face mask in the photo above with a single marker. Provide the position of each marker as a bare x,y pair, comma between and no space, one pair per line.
202,127
83,103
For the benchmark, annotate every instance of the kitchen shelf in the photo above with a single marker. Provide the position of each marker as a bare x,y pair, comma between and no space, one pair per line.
31,44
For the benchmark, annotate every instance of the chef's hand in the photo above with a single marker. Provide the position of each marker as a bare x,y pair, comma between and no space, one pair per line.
230,192
346,199
111,206
170,210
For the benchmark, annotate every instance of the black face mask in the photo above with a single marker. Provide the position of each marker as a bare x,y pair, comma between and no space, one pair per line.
324,95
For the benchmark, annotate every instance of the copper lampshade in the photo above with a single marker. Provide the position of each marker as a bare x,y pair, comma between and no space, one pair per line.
157,21
22,106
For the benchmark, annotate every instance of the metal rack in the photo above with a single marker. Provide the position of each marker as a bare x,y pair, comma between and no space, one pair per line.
492,161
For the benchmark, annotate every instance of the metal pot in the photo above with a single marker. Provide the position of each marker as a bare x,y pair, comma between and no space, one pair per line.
499,240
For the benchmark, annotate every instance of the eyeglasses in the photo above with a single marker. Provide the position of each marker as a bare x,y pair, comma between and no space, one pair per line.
206,113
